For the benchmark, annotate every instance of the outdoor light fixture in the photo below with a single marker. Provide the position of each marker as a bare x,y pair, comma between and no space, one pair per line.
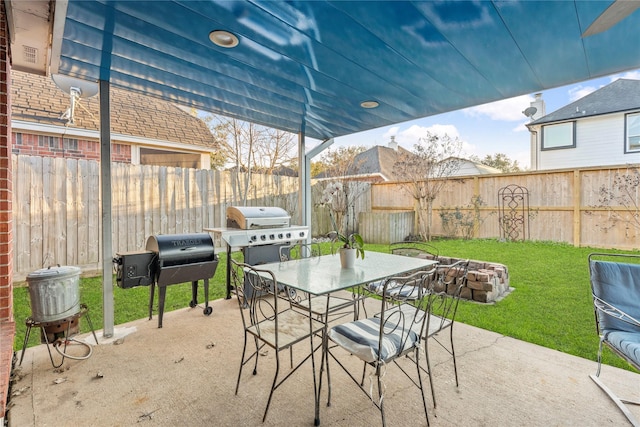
223,38
369,104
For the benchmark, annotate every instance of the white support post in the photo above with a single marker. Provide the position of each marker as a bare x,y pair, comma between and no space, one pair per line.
105,188
304,180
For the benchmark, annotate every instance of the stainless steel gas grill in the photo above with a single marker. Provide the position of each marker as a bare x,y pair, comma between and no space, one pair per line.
259,232
169,259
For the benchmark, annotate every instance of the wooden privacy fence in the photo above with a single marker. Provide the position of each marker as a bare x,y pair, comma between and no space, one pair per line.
57,218
564,206
57,207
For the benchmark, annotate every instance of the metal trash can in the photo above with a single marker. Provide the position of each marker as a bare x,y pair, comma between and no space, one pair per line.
54,293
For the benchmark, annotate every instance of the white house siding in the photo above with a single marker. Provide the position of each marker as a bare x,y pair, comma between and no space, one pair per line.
599,142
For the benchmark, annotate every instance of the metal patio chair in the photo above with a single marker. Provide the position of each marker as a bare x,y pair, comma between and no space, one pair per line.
414,248
279,328
443,303
615,287
383,340
411,249
443,295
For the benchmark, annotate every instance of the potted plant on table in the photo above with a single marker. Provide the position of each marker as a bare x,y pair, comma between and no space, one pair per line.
350,247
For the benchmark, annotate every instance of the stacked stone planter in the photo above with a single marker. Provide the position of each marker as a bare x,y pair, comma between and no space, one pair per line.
486,281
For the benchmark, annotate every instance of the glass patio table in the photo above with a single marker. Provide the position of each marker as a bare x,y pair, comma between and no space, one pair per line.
320,276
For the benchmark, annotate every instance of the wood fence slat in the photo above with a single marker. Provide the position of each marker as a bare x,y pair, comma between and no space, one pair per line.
35,234
172,202
49,231
123,231
60,211
22,200
72,211
148,204
94,224
83,212
201,199
132,203
163,197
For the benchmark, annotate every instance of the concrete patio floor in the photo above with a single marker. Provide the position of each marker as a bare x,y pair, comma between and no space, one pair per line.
185,374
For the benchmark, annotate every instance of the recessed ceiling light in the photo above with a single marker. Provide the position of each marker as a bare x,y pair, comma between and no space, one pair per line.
369,104
223,38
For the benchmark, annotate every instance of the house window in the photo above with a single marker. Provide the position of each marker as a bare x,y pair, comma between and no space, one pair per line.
70,144
18,138
632,130
562,135
48,141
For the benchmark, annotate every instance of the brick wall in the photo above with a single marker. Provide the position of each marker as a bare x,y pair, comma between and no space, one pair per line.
72,148
7,325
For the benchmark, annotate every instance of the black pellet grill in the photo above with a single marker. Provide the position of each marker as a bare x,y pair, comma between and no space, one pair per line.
169,259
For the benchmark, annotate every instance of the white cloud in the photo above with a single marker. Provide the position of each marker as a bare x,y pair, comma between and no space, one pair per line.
521,127
468,150
393,131
631,75
408,137
579,91
509,110
523,158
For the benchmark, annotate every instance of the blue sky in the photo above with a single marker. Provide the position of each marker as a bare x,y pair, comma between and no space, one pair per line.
498,127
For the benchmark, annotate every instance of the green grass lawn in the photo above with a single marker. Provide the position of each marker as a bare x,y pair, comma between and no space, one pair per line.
551,305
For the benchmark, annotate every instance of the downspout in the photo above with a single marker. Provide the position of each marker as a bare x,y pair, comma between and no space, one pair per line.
533,147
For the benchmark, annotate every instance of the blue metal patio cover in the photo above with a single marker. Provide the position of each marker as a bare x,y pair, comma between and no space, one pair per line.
308,66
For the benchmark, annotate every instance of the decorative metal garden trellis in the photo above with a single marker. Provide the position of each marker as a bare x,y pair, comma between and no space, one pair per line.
513,207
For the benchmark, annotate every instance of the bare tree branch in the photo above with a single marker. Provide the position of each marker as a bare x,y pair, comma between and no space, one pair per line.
425,171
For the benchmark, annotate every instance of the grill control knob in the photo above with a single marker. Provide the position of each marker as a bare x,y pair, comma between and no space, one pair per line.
302,234
253,238
280,236
288,235
272,236
263,237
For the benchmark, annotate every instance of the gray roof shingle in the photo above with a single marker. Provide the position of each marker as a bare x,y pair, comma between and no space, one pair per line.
37,99
620,95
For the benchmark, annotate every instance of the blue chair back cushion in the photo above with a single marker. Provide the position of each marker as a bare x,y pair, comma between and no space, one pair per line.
618,284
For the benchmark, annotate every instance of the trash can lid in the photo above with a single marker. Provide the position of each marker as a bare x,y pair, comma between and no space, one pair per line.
50,272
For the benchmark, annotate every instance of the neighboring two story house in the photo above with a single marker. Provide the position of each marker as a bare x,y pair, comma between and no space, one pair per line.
600,129
144,130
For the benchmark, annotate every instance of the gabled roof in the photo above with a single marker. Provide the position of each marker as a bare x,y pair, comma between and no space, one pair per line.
37,99
470,167
377,160
621,95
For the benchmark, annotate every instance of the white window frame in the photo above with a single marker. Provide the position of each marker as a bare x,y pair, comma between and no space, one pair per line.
559,136
632,132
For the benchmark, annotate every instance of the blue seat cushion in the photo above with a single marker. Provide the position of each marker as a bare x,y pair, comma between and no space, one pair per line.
361,338
407,291
627,343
